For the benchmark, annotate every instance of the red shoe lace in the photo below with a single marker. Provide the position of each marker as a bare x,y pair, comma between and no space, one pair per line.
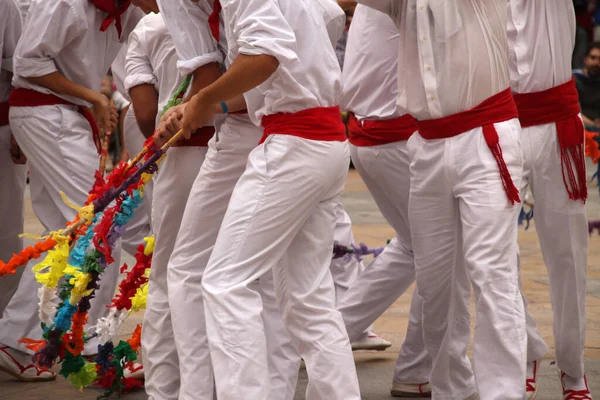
577,394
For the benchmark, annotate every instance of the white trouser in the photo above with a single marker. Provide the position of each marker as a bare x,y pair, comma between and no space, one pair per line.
61,157
385,171
172,186
282,217
344,270
224,164
457,202
12,182
562,227
140,225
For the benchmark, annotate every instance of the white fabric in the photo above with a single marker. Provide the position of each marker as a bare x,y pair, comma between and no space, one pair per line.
11,27
61,157
457,201
119,71
224,164
64,36
188,24
171,189
281,216
335,19
294,32
12,182
370,72
140,226
541,37
24,8
561,225
458,49
151,59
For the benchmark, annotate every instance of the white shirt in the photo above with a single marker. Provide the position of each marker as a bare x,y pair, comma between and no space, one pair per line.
119,71
452,53
370,75
541,37
10,31
335,19
152,59
64,36
294,32
188,24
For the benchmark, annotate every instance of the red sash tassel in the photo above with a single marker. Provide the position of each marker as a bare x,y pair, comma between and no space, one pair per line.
560,105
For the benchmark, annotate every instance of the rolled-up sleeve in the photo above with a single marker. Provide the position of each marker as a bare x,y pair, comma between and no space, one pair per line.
10,32
188,26
51,26
138,66
259,27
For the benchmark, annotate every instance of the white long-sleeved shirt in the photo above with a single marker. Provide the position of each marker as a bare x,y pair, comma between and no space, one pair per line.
294,32
335,19
187,22
10,31
119,71
64,36
541,38
452,53
152,59
370,75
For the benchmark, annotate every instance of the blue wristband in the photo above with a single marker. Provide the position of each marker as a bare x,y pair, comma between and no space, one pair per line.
224,107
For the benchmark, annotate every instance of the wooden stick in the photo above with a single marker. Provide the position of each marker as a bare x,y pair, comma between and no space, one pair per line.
173,140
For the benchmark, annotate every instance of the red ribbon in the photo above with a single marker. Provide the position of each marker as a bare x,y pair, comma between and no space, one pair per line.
213,20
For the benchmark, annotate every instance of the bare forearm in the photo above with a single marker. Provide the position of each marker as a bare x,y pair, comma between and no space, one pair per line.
236,104
145,107
58,83
587,120
245,73
202,77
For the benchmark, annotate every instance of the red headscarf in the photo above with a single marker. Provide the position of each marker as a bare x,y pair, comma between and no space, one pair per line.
114,13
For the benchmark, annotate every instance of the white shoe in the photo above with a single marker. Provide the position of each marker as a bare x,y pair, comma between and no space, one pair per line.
370,341
14,363
134,371
531,385
400,389
574,390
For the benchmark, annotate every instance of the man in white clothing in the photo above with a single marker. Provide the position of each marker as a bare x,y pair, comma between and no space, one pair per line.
12,170
541,39
65,50
466,166
282,212
378,132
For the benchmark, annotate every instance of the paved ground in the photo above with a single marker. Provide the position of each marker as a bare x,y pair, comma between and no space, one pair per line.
376,369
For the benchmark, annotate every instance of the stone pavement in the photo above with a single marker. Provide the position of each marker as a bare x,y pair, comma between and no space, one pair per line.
375,369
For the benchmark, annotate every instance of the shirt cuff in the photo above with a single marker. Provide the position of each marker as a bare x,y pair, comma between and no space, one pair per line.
186,67
7,64
140,79
33,68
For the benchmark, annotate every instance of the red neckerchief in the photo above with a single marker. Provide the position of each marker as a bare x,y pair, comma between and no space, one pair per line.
213,19
114,13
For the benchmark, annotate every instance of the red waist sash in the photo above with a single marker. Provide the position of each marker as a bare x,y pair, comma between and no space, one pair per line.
20,97
498,108
320,123
560,105
380,132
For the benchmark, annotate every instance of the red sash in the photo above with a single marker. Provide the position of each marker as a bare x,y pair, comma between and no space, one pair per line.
380,132
20,97
320,123
560,105
199,138
498,108
4,113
